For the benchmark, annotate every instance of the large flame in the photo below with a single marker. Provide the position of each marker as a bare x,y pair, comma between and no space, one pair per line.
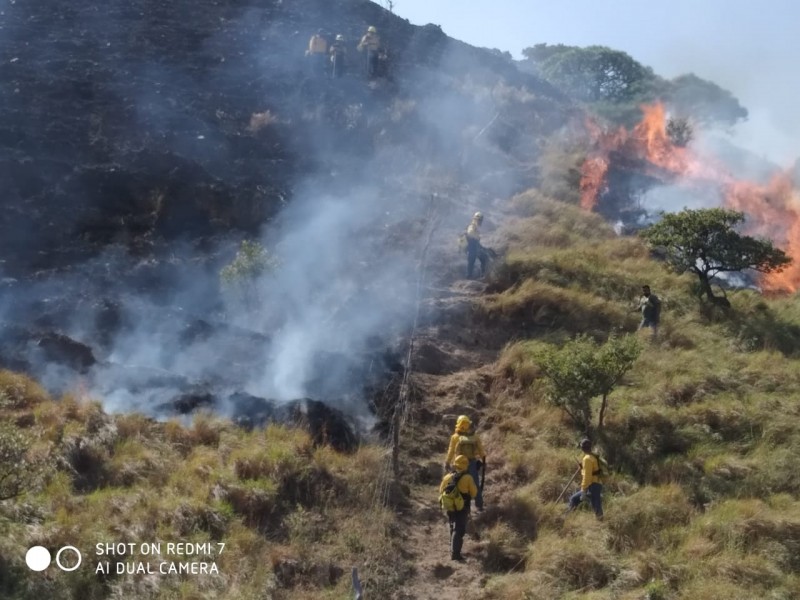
772,210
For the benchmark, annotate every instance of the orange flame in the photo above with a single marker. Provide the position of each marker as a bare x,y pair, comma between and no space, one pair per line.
593,174
773,210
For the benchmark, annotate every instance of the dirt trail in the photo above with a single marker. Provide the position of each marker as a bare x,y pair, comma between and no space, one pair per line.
450,375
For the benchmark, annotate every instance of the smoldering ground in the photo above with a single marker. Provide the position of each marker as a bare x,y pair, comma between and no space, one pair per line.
172,177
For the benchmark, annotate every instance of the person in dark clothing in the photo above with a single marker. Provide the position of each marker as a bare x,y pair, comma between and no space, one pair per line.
650,307
458,518
338,52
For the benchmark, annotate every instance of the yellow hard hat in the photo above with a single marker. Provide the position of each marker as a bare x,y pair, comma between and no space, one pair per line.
463,423
461,463
371,29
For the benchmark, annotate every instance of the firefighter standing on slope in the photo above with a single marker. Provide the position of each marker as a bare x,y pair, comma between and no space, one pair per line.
338,52
591,481
465,442
458,518
371,43
474,248
650,307
318,52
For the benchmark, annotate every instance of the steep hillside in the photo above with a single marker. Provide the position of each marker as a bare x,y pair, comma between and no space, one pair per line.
141,142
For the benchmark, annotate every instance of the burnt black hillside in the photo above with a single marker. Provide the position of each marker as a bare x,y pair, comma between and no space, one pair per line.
126,119
141,140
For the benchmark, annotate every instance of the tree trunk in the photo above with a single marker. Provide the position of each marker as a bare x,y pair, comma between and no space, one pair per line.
705,287
602,415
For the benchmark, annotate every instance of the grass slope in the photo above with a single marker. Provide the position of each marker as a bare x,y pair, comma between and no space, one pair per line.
701,433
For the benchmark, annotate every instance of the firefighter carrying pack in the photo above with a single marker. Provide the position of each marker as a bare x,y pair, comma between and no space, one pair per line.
451,499
466,445
604,470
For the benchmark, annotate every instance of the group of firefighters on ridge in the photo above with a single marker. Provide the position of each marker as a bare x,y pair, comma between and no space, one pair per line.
331,58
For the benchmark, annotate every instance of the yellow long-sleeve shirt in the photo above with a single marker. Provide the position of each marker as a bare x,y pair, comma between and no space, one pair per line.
466,485
370,41
590,471
468,444
317,45
473,231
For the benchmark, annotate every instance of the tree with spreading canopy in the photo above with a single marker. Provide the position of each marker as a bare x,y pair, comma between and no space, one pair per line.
615,84
582,369
705,242
590,74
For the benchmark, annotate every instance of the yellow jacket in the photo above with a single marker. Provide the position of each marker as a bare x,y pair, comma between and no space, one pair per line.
473,231
317,45
370,41
466,485
590,471
466,443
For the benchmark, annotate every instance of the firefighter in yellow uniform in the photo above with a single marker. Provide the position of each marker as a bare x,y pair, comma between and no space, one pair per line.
458,518
318,52
591,481
370,44
474,248
466,442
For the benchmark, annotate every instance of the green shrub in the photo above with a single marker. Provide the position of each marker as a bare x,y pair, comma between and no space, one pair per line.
581,370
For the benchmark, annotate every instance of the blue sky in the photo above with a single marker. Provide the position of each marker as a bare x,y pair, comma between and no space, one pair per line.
751,48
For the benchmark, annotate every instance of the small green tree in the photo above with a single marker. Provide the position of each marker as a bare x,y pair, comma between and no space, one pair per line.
581,370
251,262
706,243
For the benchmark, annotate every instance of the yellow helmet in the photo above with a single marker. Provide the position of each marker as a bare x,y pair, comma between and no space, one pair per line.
371,29
461,463
463,423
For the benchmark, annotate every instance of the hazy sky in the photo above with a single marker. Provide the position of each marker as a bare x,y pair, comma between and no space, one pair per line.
750,48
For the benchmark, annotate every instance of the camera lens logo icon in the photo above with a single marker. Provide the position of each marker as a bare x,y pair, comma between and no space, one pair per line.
38,558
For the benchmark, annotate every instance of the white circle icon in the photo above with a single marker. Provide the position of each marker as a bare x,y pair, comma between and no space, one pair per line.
58,558
37,558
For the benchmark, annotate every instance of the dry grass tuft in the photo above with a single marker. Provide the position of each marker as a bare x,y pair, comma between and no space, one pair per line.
580,562
642,520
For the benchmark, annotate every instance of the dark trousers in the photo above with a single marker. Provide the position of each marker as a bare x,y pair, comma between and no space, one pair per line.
595,497
372,63
458,528
337,64
476,477
476,251
651,323
319,63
